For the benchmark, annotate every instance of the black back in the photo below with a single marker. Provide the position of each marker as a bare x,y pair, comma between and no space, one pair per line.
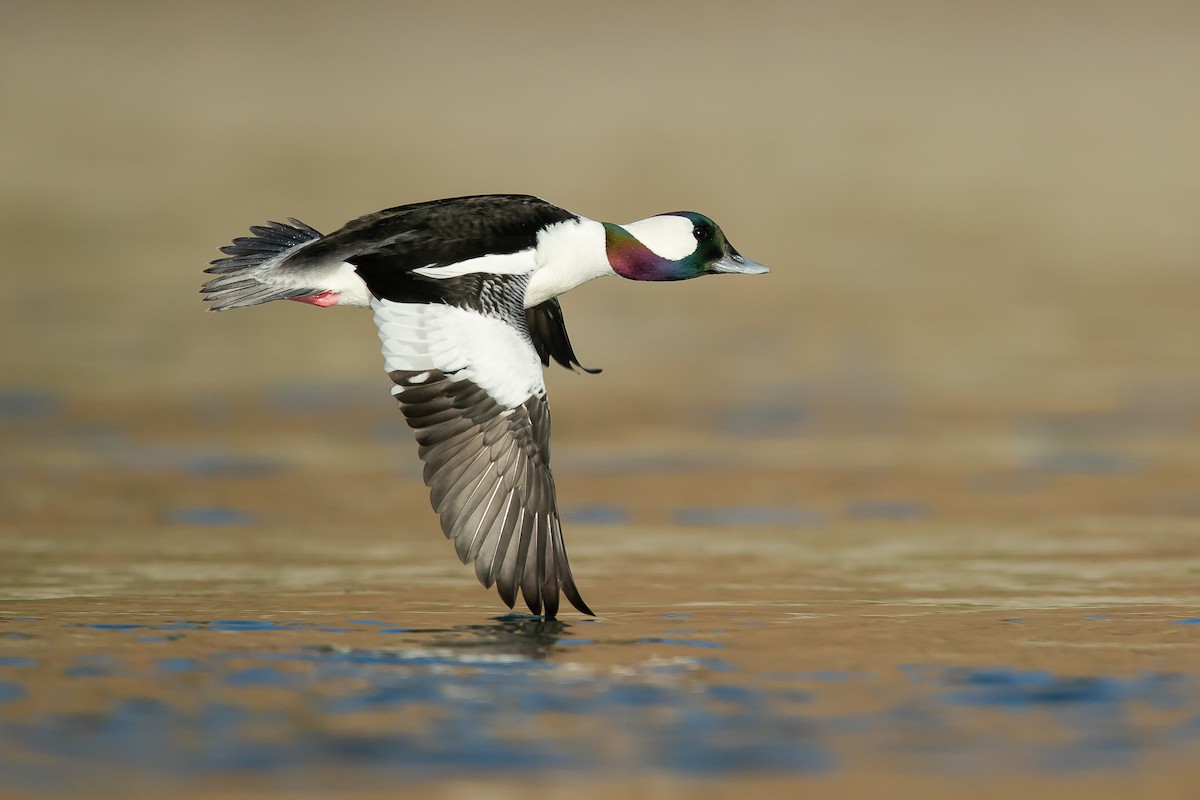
386,245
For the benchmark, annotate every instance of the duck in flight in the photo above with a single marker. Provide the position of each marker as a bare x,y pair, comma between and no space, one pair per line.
465,295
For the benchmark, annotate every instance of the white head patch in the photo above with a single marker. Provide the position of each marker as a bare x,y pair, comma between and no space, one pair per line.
669,236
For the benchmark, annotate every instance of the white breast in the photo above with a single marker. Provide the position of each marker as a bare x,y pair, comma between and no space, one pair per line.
568,254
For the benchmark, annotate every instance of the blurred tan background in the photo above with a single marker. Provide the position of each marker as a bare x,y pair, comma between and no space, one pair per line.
980,206
969,389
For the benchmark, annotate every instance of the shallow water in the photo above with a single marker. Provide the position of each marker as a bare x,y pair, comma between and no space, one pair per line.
507,694
298,698
236,613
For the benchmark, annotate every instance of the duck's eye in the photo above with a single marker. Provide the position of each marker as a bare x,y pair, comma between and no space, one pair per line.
703,232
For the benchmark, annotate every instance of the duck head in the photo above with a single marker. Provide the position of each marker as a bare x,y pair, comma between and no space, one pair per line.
673,247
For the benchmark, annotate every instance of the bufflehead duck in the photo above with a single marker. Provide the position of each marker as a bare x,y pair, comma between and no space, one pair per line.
465,294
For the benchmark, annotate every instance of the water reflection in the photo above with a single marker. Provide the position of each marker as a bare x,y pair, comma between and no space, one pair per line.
512,637
511,694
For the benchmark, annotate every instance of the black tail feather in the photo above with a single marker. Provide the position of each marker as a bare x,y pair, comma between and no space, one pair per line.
245,274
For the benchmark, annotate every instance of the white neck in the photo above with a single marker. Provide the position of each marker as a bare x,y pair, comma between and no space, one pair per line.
568,254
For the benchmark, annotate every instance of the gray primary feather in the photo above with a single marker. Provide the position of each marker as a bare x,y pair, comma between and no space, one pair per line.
490,482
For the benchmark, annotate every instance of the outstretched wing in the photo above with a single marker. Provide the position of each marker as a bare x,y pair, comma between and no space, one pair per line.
469,382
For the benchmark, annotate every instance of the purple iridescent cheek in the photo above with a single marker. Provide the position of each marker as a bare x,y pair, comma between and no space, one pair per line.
631,259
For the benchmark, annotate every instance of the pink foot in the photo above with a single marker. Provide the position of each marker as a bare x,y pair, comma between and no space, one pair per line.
324,299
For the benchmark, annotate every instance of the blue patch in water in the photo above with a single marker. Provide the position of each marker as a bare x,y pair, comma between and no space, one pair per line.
302,398
596,515
886,509
1110,754
638,695
258,676
209,516
18,661
112,626
678,642
1004,687
88,671
179,665
1089,463
732,693
574,642
1188,621
11,691
834,676
25,403
766,419
921,674
1097,617
747,515
740,742
241,625
211,466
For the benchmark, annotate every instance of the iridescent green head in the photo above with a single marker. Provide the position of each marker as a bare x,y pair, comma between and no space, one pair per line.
673,247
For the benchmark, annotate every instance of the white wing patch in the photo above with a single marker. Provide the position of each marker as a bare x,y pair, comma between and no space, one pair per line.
519,263
463,344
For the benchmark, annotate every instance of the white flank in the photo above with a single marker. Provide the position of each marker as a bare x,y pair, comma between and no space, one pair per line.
669,235
351,289
463,344
519,263
340,277
568,254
